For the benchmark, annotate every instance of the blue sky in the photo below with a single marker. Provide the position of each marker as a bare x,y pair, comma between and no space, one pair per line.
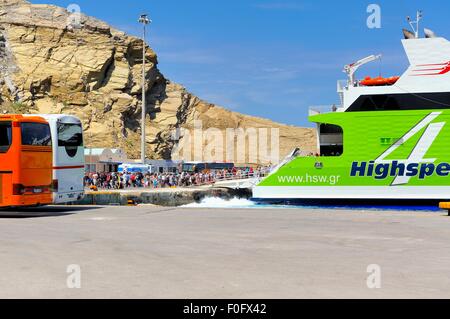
268,58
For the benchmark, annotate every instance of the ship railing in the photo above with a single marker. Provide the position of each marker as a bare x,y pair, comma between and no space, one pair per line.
342,85
323,109
231,177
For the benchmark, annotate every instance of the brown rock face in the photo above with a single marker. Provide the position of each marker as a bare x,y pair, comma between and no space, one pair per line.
54,61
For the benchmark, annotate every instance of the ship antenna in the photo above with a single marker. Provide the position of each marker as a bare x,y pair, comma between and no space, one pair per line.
415,24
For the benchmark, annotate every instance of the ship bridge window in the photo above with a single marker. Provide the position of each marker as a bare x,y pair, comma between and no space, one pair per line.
407,101
379,102
331,139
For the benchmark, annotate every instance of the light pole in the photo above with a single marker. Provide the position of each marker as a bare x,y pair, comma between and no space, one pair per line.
90,153
144,20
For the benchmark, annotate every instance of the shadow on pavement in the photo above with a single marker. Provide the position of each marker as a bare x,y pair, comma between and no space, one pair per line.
39,212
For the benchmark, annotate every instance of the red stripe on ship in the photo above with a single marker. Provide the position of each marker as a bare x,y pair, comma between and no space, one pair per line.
423,70
445,69
68,167
433,64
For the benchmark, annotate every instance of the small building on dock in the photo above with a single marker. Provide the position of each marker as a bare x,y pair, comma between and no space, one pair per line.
165,166
103,160
107,160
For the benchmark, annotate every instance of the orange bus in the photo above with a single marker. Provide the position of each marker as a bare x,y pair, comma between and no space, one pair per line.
25,161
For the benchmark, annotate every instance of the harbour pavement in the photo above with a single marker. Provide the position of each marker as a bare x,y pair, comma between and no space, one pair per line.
154,252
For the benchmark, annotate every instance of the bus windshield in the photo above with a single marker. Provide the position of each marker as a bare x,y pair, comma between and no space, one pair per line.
5,136
201,167
36,134
189,168
70,135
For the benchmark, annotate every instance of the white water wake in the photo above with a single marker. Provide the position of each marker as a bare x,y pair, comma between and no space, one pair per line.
216,202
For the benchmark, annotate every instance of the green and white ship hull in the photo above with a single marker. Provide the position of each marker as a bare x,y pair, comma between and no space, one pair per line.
386,143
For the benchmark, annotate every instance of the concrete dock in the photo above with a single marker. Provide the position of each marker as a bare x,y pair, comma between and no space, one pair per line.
154,252
171,197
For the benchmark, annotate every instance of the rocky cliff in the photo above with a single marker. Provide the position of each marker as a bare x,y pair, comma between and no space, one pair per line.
54,61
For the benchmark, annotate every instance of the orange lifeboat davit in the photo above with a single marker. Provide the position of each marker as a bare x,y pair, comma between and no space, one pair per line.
379,81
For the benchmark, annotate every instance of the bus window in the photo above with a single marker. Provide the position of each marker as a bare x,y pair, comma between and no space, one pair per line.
220,166
70,135
5,136
189,168
202,167
36,134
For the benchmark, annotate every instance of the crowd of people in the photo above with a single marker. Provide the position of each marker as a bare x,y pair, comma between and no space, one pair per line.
164,180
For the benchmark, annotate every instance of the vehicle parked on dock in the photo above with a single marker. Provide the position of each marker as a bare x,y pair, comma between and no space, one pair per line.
135,168
68,157
25,161
203,167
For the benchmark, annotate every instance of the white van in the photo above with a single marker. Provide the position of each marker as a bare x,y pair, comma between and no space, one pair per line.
135,168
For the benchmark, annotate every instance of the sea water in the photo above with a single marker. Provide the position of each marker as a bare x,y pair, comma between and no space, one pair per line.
217,202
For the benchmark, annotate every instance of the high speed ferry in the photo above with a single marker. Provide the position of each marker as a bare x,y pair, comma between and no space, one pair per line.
388,141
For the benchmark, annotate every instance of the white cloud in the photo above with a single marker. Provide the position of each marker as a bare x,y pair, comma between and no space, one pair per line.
190,57
221,99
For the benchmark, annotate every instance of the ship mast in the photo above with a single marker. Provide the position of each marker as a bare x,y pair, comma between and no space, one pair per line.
415,24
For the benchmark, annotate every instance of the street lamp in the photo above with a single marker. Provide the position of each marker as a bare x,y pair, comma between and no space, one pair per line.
144,20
